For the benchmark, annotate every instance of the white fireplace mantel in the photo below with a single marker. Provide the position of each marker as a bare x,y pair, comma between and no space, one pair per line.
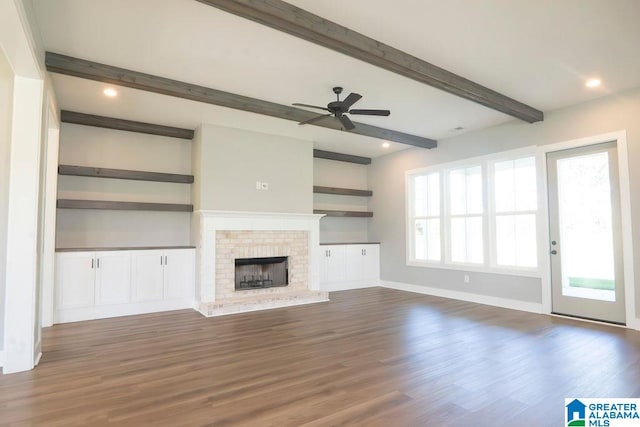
207,223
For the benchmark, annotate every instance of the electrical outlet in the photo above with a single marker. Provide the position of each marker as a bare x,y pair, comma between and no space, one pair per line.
258,185
265,185
466,278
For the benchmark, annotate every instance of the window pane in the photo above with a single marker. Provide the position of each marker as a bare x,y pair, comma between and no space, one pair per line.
420,195
420,239
426,195
527,248
465,190
474,190
516,240
458,240
433,239
504,186
515,185
427,240
475,248
433,194
466,240
505,240
525,183
457,192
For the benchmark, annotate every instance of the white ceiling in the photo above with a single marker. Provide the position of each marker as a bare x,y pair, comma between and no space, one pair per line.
537,51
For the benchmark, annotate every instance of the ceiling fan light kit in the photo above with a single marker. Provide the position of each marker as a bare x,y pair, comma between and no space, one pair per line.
338,109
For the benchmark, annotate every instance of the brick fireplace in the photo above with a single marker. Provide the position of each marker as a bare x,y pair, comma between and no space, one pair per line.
224,237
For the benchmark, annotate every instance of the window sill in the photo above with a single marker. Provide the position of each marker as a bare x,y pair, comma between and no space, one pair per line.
476,268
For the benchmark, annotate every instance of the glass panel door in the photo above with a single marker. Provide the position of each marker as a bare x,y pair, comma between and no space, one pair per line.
584,219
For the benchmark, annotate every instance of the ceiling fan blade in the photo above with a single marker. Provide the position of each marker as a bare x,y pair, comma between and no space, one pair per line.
346,122
371,112
350,100
314,119
310,106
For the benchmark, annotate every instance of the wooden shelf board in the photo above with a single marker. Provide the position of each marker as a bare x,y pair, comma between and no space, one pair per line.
130,206
121,248
125,125
124,174
351,214
330,155
342,191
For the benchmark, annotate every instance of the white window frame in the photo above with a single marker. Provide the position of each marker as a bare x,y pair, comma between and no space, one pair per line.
488,215
412,218
493,214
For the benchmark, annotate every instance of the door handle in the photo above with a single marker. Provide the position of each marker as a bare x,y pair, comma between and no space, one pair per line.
161,260
97,262
165,260
92,262
553,252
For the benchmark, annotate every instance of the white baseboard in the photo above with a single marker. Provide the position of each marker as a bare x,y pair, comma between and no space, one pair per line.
345,286
1,358
107,311
465,296
634,324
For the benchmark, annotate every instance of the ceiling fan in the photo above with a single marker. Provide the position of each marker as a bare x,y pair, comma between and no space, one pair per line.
338,109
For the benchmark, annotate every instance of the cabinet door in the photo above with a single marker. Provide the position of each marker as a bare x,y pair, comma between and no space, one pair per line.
179,273
113,277
355,262
75,280
371,262
333,264
147,275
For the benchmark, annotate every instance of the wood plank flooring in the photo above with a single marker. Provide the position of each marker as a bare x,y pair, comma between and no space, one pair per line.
371,357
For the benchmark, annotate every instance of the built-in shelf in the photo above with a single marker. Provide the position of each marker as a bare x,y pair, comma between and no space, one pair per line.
330,155
125,125
129,206
121,248
351,214
342,191
124,174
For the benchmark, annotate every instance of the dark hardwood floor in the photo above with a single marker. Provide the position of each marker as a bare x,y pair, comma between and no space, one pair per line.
374,357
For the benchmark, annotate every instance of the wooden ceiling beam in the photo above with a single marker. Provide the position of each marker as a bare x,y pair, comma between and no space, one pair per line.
76,67
298,22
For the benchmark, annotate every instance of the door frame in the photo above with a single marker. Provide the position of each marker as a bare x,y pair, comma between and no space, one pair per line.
620,137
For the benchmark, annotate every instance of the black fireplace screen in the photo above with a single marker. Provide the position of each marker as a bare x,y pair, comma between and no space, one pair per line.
256,273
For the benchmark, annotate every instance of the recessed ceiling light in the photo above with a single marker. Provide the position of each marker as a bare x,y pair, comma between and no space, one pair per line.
593,83
386,145
110,92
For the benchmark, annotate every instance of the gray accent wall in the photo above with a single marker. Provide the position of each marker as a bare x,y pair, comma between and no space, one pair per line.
387,175
228,162
6,105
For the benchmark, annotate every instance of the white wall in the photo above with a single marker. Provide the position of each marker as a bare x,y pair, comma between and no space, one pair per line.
386,177
331,173
108,148
6,101
230,161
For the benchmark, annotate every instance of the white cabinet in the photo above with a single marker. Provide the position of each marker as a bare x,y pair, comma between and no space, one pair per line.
99,284
363,262
333,264
163,274
75,279
179,274
349,266
113,277
86,279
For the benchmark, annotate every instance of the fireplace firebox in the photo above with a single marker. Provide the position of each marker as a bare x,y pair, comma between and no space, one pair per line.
258,273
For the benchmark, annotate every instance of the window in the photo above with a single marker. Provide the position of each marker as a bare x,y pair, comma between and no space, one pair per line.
481,214
515,198
426,216
465,215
